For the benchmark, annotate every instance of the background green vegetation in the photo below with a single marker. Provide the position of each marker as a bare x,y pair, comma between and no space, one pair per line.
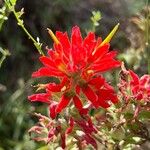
15,73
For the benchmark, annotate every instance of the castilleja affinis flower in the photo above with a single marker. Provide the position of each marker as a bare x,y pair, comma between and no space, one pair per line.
134,87
140,86
78,64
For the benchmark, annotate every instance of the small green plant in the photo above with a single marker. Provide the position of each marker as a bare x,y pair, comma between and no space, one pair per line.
3,15
4,53
4,12
96,17
18,15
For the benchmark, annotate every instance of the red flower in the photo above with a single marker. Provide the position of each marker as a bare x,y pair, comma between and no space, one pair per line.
71,124
131,86
77,56
88,129
47,130
140,87
77,64
41,97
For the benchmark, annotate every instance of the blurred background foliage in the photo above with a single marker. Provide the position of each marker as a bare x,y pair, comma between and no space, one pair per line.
132,42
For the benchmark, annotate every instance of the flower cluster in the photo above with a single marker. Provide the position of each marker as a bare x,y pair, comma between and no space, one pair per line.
134,91
49,130
85,97
133,87
78,64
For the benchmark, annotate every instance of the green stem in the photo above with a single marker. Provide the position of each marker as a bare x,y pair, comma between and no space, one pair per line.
29,35
5,53
2,59
20,23
147,36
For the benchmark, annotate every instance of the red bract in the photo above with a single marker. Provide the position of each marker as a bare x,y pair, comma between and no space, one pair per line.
133,87
47,130
77,63
41,97
140,87
88,129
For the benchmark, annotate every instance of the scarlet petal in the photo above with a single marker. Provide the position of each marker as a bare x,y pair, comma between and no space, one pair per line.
77,103
77,50
63,140
90,140
50,64
79,106
107,62
135,78
110,55
76,38
89,43
64,40
51,133
104,96
71,125
109,87
105,66
52,110
54,87
78,89
103,103
91,125
58,87
47,62
90,95
46,72
139,96
62,104
100,52
97,82
99,41
42,97
145,80
58,49
88,128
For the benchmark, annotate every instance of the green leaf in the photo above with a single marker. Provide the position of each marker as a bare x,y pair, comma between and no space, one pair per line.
13,2
118,134
4,53
20,13
128,115
43,148
96,15
144,115
92,112
133,126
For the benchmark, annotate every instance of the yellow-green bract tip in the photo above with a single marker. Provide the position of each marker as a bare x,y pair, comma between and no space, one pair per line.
53,36
110,35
